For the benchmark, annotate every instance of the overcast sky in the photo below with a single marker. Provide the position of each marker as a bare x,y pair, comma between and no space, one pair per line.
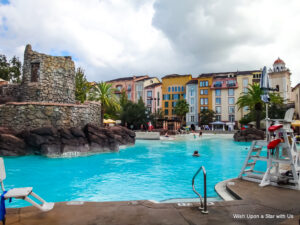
115,38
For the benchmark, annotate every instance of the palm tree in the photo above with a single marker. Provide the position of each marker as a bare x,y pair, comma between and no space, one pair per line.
104,93
253,100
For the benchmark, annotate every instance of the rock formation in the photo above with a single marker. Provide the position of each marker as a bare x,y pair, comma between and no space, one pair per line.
249,134
49,141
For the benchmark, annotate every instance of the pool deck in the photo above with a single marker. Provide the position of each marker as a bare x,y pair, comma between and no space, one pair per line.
255,201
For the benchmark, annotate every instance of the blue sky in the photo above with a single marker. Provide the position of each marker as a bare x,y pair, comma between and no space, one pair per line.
114,38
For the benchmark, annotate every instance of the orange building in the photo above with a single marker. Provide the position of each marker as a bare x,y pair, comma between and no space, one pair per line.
173,89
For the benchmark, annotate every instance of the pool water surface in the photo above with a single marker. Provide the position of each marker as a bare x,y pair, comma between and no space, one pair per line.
153,170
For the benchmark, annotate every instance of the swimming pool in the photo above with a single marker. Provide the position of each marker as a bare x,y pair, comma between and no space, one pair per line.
155,170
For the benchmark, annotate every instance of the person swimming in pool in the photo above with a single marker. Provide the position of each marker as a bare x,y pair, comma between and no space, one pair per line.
196,154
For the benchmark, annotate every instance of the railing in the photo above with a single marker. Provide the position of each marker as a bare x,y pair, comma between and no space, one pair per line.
203,205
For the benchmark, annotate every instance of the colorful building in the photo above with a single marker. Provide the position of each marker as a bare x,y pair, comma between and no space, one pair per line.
127,84
153,97
244,79
173,89
192,99
140,87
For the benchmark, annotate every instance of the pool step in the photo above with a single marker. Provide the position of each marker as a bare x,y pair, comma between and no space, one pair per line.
187,200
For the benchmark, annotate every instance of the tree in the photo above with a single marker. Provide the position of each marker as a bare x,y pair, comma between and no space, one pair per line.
252,99
15,70
10,71
104,93
134,114
181,109
82,86
206,116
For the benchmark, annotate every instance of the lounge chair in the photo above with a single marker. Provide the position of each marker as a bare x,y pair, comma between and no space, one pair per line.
23,193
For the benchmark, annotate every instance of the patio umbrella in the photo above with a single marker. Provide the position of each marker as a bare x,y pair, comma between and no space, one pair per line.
109,121
296,123
265,87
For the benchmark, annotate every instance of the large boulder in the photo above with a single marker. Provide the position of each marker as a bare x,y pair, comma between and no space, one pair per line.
52,142
11,145
249,134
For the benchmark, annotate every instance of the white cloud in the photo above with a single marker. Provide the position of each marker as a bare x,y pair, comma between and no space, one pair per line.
112,38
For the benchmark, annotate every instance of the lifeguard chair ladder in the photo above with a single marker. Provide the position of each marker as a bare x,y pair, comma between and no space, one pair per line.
280,151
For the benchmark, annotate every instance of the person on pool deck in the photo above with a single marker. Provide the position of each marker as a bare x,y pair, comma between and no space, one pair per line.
196,154
166,134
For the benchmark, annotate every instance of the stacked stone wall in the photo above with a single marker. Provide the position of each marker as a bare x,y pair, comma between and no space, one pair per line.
9,92
29,115
55,78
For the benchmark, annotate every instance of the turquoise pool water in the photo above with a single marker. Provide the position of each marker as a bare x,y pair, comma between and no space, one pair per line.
155,170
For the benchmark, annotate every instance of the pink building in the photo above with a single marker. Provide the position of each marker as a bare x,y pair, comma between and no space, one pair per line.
127,84
153,97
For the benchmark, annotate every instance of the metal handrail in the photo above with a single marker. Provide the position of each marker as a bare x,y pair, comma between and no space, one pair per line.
203,206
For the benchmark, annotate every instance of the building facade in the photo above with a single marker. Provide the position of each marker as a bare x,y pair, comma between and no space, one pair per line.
126,84
173,89
153,97
280,78
296,99
140,87
192,99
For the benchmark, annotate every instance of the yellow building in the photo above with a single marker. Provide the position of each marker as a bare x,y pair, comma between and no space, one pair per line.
244,79
204,92
173,89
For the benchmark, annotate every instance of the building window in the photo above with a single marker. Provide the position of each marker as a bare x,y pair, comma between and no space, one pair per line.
129,95
182,88
245,90
166,112
178,88
204,92
231,109
172,89
245,82
231,83
246,108
218,92
218,109
129,87
218,101
218,84
192,101
191,109
231,118
176,96
149,102
35,72
203,101
203,83
192,92
149,93
230,92
169,89
174,104
203,107
175,89
277,87
231,101
218,117
166,104
173,112
158,98
192,118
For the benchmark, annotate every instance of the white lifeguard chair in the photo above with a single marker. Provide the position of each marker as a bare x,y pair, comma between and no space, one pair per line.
23,193
282,157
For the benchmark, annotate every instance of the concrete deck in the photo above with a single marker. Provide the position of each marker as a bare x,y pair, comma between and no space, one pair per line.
255,202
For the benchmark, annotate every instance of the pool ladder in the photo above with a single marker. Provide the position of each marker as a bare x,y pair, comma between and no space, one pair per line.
203,205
